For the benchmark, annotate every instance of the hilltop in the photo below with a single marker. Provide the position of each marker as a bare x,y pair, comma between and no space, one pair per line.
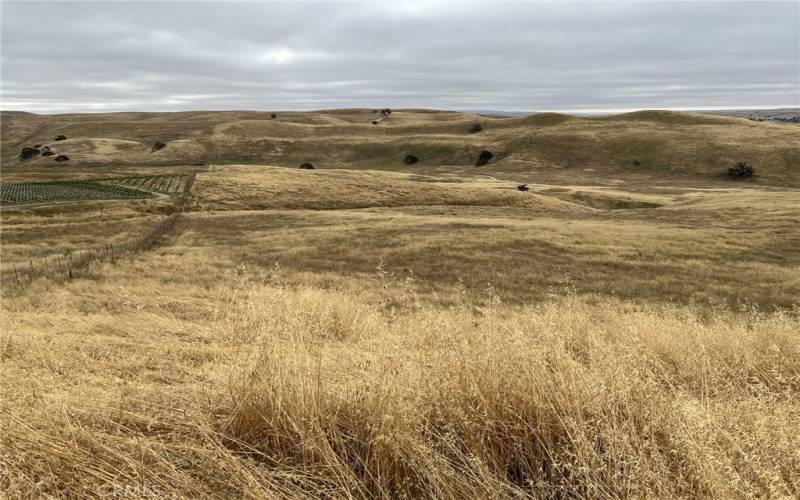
643,145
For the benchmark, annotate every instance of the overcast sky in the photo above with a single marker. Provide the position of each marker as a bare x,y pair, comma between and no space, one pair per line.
156,56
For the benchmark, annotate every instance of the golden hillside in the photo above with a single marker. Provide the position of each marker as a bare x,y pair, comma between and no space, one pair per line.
368,329
646,145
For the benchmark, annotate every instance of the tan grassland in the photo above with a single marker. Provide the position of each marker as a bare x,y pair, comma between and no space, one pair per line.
371,330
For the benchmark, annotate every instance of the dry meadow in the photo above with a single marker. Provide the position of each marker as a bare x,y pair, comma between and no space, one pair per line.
373,330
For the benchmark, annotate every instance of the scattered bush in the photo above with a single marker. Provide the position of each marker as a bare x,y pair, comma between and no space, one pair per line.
374,122
523,187
60,137
475,128
636,163
483,158
410,159
61,158
307,166
47,153
273,116
741,170
157,146
28,153
386,112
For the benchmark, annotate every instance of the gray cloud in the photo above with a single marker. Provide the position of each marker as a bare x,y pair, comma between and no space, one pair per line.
59,57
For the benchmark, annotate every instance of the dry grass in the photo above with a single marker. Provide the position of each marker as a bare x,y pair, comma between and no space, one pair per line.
271,391
368,334
45,231
703,246
260,188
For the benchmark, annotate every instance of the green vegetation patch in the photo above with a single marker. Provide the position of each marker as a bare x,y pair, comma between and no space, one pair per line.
54,191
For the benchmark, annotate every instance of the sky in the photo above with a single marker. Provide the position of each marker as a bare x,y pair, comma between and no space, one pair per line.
526,56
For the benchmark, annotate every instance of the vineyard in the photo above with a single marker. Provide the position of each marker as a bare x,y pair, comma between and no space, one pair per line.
166,184
43,192
102,189
66,265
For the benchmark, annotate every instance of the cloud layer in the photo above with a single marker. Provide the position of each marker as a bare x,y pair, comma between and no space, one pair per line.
60,57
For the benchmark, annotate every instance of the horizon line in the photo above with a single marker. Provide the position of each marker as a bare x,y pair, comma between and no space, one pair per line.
461,110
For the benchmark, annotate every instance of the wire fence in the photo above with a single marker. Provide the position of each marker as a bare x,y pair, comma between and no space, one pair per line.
68,265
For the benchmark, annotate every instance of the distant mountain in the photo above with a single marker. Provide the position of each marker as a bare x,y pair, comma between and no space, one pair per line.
785,115
501,114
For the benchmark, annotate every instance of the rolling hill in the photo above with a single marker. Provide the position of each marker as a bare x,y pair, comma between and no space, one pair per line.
623,326
645,144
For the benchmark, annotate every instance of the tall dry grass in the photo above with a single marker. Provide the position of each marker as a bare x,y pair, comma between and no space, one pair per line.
567,399
303,392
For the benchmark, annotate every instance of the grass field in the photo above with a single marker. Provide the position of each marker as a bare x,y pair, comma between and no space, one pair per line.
429,332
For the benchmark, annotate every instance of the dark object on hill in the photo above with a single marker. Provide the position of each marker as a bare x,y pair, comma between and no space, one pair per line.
475,128
28,153
386,112
307,166
273,116
741,170
523,187
636,163
37,146
61,158
47,153
483,158
60,137
157,146
410,159
374,123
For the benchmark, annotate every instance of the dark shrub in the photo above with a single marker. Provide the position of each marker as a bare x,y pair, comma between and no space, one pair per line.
741,170
47,153
28,153
61,158
157,146
374,123
386,112
60,137
523,187
636,163
410,159
475,128
307,166
483,158
273,116
37,146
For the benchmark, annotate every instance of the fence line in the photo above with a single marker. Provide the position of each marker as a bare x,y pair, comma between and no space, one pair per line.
67,265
